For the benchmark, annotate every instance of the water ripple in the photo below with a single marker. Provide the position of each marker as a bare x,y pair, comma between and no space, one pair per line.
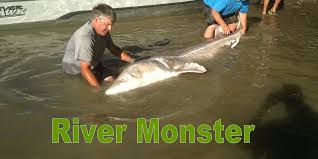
29,97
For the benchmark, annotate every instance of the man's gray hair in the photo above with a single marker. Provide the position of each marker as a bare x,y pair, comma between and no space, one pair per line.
103,10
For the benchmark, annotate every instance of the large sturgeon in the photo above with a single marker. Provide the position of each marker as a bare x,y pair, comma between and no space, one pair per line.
158,68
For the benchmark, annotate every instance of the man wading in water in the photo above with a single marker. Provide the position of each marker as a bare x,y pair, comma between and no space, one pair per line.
85,50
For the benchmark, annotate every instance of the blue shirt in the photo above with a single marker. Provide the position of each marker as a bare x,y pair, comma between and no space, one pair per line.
226,7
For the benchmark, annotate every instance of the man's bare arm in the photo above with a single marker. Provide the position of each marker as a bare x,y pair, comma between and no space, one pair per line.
218,18
87,73
115,50
243,18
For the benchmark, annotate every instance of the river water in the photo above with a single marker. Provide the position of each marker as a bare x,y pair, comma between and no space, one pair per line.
270,79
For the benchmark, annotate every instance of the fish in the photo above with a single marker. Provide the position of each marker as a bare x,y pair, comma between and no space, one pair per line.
159,68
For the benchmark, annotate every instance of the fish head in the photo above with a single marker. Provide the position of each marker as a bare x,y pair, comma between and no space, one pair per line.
129,79
233,39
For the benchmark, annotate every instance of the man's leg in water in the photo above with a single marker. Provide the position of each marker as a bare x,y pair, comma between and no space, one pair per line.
274,8
265,5
209,31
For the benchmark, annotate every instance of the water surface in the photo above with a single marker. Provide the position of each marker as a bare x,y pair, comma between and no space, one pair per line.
275,63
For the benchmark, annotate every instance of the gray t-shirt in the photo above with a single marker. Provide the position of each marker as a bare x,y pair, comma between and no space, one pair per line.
85,45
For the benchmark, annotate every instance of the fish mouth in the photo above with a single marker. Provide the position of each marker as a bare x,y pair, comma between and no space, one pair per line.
119,88
114,90
109,91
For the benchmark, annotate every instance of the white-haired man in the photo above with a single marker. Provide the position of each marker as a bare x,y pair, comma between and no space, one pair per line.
85,49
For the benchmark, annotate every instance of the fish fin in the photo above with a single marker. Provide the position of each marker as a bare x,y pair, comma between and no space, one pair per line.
191,68
235,43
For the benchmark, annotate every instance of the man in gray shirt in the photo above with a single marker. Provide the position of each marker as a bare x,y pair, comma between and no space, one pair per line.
85,50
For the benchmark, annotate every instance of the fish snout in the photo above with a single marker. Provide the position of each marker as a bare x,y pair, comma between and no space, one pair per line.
194,67
109,92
